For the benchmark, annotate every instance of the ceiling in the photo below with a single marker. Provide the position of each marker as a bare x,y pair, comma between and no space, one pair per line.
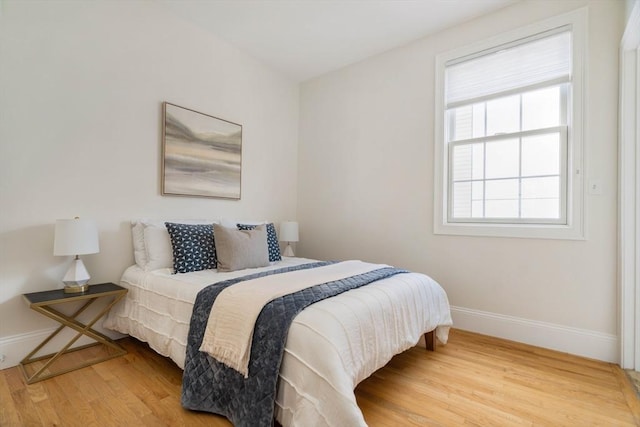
307,38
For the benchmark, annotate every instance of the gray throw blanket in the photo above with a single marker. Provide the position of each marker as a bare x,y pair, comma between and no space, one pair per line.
208,385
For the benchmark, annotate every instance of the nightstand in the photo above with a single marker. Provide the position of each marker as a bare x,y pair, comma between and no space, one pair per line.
44,302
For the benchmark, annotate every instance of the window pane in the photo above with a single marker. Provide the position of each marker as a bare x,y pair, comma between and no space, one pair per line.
478,120
502,198
501,209
477,209
477,190
541,188
502,159
463,122
503,115
477,171
467,122
462,156
503,189
541,155
541,108
541,197
468,161
462,200
541,208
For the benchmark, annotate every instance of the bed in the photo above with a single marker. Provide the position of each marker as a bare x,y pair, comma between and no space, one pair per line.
331,345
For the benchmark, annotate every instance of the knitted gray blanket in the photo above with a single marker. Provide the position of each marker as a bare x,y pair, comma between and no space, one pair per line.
208,385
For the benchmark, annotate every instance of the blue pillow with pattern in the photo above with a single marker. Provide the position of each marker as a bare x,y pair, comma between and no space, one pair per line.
272,240
193,247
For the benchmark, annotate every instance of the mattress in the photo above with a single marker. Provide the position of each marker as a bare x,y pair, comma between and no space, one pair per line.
331,345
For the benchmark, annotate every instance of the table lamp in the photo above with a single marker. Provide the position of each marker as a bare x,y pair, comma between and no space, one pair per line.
288,233
76,237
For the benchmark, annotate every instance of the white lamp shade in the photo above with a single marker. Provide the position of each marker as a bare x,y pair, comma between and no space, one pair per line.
289,231
76,237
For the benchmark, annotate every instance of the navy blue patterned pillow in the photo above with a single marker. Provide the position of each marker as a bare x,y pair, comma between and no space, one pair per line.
193,247
272,240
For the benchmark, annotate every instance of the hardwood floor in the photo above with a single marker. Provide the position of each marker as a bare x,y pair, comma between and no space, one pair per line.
474,380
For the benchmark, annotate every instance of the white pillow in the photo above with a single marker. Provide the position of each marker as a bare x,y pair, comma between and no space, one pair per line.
152,248
139,252
159,252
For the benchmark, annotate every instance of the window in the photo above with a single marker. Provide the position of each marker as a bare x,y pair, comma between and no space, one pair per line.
508,140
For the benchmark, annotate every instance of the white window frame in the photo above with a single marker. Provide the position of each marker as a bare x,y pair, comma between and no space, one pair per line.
573,227
629,193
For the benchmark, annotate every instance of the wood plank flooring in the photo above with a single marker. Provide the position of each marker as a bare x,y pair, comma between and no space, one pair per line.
474,380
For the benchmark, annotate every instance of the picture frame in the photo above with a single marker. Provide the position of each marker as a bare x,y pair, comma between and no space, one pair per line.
201,154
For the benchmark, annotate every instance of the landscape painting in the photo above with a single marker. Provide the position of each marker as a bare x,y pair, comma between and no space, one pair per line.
202,155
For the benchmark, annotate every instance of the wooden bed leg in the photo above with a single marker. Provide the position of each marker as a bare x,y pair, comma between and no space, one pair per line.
430,340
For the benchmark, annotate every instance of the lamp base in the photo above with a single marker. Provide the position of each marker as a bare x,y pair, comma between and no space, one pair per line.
77,278
288,251
76,289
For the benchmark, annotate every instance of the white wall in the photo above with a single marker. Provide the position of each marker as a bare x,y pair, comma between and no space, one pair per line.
366,190
628,7
80,135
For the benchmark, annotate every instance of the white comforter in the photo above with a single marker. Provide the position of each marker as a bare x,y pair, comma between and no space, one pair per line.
332,345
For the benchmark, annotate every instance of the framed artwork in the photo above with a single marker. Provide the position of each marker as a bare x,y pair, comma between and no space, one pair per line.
201,154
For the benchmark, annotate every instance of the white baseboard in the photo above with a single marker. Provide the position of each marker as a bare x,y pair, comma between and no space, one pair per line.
581,342
15,347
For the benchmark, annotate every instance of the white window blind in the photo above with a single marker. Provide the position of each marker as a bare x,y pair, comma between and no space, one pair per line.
539,60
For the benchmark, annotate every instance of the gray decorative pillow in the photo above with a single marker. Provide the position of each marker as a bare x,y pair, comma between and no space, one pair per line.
272,240
240,249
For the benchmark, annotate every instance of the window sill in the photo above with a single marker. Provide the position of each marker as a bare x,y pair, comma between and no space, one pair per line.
526,231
